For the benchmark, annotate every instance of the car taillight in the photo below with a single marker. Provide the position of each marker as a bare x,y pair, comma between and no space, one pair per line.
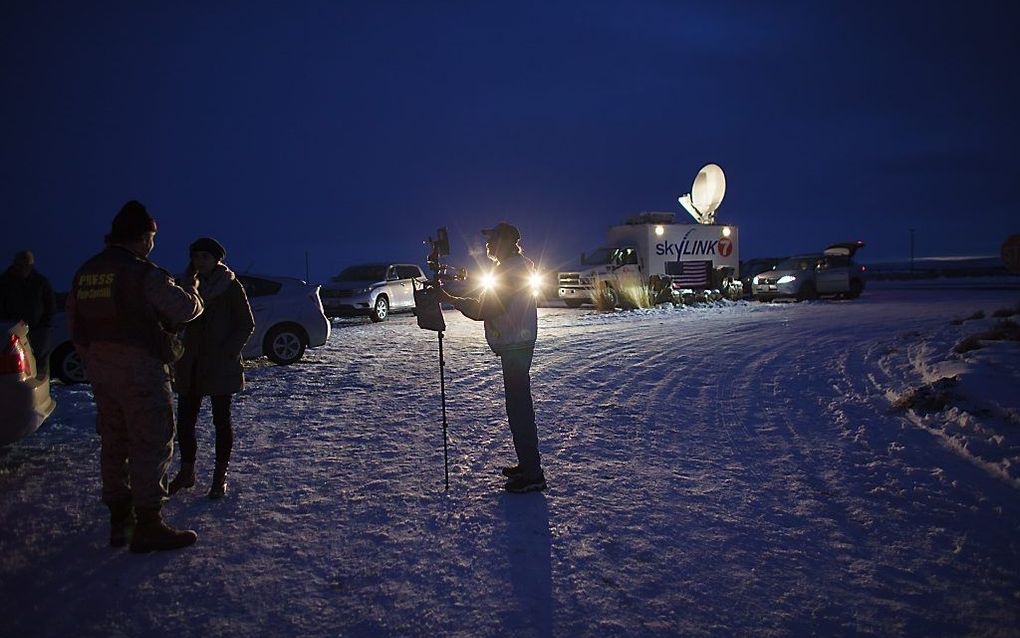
13,359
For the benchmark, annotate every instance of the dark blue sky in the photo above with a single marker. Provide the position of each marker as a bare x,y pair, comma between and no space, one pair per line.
352,130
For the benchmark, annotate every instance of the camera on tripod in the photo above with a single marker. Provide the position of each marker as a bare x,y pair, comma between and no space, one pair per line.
426,299
430,316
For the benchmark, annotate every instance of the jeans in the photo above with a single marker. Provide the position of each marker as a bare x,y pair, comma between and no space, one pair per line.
187,416
520,410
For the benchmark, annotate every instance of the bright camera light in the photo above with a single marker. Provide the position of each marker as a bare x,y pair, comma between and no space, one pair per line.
785,279
726,231
659,230
488,281
535,281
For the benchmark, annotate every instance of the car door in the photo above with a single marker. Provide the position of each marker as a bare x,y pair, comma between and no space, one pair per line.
832,275
396,289
410,275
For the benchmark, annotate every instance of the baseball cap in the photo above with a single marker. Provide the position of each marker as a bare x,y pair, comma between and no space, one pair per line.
502,230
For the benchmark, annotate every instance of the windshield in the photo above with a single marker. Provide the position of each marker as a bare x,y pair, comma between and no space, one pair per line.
804,262
362,273
599,256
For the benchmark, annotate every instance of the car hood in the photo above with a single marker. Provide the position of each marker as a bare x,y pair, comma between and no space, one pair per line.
776,274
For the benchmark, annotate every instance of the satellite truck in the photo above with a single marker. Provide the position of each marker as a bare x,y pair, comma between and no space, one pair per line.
672,261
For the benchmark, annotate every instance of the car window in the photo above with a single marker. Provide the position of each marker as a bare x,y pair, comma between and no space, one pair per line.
362,273
625,256
258,287
798,263
408,272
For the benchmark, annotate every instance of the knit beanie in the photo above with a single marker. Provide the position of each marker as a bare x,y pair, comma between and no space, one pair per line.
209,245
132,222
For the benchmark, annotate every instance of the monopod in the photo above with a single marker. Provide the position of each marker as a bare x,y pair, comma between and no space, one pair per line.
430,317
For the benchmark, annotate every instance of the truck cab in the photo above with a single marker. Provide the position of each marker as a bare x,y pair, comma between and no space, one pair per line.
576,286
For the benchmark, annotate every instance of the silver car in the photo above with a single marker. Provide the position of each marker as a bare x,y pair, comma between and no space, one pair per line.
25,401
288,319
375,290
830,273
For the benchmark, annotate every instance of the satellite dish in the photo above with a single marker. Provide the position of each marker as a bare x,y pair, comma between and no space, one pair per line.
706,194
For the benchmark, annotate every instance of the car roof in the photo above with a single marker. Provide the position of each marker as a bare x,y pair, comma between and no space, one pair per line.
276,278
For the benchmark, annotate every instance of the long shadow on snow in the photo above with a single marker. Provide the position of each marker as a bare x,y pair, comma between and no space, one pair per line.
529,555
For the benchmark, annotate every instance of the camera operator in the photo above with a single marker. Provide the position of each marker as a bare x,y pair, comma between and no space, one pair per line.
511,323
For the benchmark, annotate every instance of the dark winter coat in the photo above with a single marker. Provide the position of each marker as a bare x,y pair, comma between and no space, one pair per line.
211,364
30,299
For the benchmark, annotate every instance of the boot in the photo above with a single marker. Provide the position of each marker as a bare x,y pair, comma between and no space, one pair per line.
122,523
219,482
185,478
152,534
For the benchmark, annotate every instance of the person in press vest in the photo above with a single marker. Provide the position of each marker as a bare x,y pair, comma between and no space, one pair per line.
123,314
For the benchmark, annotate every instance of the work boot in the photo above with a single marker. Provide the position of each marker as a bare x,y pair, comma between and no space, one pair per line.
219,481
152,534
511,471
521,484
122,522
185,478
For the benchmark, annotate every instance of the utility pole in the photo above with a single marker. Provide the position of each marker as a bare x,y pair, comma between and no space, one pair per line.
911,251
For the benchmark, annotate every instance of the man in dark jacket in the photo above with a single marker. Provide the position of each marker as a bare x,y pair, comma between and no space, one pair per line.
123,313
511,327
27,296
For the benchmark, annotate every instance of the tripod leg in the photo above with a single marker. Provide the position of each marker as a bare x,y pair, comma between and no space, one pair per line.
442,390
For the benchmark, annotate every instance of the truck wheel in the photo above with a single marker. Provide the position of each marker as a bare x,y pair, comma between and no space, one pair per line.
612,297
806,292
573,303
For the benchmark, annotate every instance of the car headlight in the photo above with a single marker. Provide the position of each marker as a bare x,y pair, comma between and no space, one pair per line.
785,279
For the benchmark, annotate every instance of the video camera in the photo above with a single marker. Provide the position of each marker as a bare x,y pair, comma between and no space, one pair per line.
426,299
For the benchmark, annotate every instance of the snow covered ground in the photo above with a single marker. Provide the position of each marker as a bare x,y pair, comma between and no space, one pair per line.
727,470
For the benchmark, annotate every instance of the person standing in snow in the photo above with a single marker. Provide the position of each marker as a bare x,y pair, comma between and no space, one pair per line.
27,296
511,325
211,365
123,313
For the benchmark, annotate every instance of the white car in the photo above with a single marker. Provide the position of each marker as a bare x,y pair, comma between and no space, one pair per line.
375,290
288,319
25,401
